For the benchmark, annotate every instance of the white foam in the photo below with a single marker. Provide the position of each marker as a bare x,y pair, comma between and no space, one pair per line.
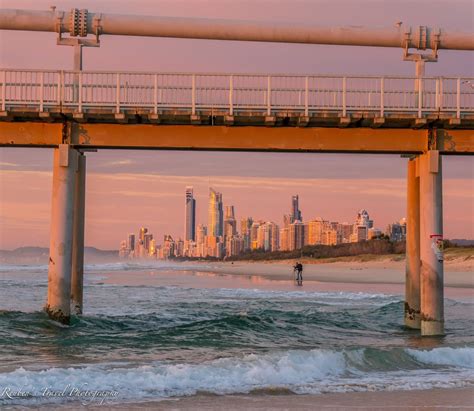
4,268
126,265
314,371
459,357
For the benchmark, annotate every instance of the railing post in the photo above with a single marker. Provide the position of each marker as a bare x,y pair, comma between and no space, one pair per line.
306,96
231,92
344,110
193,94
58,95
41,91
269,97
79,103
155,95
382,92
458,98
437,94
420,97
440,93
117,94
4,89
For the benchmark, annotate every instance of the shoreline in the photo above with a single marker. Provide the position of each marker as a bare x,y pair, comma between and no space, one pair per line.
373,272
429,399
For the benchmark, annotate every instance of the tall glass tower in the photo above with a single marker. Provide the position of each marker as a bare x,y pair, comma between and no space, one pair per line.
295,209
216,214
190,216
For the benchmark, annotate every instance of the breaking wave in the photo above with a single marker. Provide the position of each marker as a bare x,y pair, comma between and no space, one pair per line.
299,371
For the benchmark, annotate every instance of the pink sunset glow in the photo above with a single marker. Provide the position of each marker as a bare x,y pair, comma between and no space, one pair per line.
126,190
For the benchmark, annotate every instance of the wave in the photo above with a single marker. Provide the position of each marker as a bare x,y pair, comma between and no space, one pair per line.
304,372
111,266
458,357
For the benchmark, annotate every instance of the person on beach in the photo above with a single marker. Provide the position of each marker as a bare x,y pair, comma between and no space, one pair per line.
299,273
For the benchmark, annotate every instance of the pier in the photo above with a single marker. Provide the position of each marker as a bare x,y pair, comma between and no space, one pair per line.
76,112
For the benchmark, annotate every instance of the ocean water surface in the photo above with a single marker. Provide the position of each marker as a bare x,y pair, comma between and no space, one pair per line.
141,342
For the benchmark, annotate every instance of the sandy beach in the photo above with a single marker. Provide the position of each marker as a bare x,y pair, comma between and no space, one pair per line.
459,270
377,275
426,400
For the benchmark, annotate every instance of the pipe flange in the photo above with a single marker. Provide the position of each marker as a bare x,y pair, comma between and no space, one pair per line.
83,22
74,22
422,38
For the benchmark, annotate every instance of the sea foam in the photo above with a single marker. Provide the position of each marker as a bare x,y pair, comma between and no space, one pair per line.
300,371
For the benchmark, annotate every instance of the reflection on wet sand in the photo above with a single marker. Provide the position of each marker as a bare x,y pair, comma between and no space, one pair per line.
209,279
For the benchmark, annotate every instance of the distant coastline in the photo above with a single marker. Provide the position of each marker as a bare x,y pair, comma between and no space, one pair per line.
40,255
457,252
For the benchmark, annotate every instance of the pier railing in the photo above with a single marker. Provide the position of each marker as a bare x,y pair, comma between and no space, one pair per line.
44,90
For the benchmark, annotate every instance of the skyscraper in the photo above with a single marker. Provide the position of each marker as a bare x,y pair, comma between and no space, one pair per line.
190,216
295,210
245,227
143,231
230,225
216,214
296,236
131,242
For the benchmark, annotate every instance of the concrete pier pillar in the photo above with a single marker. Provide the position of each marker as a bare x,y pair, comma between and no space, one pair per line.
77,279
431,244
60,249
412,279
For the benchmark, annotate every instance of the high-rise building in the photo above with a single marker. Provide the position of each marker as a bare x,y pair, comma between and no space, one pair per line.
361,227
296,236
374,233
123,250
271,236
168,249
234,246
363,219
141,236
397,231
201,235
287,220
245,227
146,241
254,235
152,249
295,209
190,216
345,231
360,234
215,214
316,229
284,239
261,232
329,237
230,225
131,242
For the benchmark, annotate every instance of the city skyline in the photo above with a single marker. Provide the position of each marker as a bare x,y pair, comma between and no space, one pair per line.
221,238
132,192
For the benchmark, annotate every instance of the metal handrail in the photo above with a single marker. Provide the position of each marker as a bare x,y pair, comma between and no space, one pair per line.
83,90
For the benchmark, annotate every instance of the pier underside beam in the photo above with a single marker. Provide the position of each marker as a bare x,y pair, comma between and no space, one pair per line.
61,236
247,138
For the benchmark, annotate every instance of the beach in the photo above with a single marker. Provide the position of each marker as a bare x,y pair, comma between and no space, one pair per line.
222,335
422,400
384,274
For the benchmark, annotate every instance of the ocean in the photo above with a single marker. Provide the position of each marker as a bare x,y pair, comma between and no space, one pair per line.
139,343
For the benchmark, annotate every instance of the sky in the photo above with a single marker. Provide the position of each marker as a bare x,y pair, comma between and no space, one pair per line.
129,189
